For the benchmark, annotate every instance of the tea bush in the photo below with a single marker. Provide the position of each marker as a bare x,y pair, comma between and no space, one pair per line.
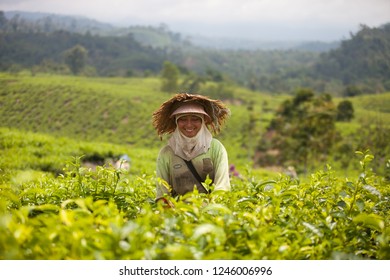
110,214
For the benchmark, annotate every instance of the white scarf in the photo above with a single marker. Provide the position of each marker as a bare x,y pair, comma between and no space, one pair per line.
189,148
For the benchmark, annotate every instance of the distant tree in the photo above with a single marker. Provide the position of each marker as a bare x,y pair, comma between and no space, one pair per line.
345,111
129,73
147,73
214,75
192,83
303,129
351,90
76,58
219,91
169,77
3,21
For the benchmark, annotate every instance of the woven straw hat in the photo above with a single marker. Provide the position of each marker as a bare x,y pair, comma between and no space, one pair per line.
216,113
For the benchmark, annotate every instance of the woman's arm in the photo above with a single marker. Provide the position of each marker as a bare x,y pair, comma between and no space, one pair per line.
221,165
162,174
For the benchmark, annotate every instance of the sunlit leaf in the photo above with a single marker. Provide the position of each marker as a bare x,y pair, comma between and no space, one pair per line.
370,220
217,234
372,190
313,229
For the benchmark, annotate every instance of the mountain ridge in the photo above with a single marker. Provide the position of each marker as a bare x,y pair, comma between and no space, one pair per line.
102,28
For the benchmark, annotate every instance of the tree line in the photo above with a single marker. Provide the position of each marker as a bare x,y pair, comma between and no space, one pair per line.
360,65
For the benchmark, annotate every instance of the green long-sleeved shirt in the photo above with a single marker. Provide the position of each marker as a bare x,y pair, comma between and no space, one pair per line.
172,169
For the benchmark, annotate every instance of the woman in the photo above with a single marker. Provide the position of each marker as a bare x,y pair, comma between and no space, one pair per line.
192,154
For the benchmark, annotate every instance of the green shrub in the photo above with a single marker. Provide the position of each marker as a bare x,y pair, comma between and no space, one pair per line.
106,214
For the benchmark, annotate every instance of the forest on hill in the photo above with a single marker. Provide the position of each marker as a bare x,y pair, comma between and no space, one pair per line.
360,64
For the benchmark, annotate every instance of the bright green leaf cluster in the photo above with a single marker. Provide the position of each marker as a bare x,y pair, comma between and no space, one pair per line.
103,214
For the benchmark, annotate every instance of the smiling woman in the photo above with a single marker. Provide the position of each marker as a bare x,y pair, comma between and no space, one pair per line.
192,154
189,125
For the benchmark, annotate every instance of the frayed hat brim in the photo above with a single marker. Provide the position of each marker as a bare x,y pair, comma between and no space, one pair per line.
164,122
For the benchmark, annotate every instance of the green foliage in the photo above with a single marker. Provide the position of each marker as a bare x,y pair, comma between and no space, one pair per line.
25,155
61,198
358,64
156,37
302,130
375,136
362,61
169,77
366,103
350,91
192,83
110,56
103,214
54,205
116,111
76,58
345,111
219,91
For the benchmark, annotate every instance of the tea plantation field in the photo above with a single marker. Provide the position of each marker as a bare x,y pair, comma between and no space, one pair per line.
62,199
78,212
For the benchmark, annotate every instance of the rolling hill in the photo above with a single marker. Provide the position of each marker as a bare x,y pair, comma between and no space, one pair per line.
119,110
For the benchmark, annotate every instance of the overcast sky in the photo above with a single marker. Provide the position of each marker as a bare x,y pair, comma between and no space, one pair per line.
257,19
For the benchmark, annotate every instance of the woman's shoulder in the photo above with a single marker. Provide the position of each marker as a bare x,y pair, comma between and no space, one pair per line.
216,142
166,149
165,154
217,145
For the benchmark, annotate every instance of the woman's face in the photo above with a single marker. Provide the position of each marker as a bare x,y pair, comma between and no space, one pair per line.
189,125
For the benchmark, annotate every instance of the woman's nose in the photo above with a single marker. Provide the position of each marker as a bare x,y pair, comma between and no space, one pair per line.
188,122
